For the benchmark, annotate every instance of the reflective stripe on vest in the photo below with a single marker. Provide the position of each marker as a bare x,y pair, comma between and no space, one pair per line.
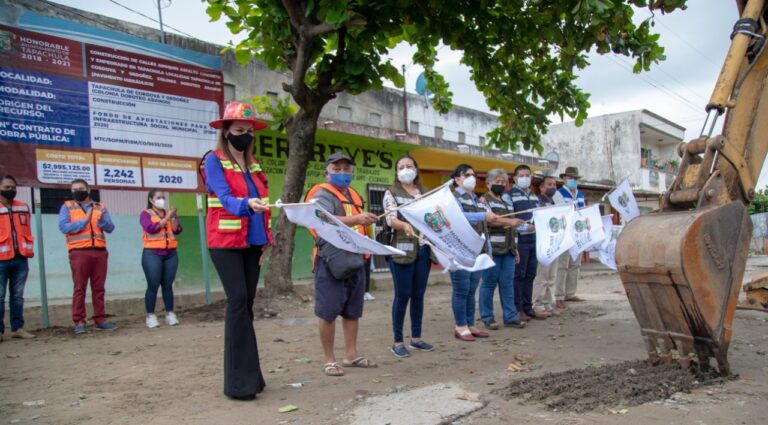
223,229
163,238
348,210
91,236
15,221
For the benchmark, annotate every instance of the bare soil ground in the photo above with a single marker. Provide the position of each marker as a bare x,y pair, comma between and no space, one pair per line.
172,375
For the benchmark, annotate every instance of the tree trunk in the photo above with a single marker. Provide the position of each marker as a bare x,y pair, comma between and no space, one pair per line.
301,129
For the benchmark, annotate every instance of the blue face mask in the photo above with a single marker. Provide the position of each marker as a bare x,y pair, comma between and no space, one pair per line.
571,184
340,181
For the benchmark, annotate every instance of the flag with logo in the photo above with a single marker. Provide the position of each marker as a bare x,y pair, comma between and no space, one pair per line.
608,247
624,201
553,236
334,231
483,261
439,218
587,230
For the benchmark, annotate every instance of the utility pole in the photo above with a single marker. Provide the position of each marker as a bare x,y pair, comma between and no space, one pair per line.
160,15
405,104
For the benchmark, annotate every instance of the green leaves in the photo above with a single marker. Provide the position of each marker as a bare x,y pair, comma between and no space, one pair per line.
523,56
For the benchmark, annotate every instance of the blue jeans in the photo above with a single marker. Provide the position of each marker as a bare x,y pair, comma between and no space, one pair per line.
14,271
503,275
160,271
463,298
525,272
410,285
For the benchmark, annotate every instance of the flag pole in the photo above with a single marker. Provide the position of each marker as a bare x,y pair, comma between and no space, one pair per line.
534,209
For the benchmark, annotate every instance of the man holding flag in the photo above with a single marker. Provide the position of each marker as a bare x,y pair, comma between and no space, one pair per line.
568,268
335,294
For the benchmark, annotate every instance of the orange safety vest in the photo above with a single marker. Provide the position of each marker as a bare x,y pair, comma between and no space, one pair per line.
24,240
164,238
223,229
91,236
350,208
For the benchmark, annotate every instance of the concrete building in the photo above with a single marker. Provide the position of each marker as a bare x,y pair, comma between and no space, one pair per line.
638,145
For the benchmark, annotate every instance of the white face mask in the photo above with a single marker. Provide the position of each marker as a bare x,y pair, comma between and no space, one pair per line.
159,203
469,183
524,182
406,175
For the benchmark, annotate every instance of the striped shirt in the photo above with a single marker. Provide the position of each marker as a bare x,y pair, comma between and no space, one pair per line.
524,199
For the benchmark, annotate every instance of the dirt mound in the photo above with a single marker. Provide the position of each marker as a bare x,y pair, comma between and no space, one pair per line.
623,384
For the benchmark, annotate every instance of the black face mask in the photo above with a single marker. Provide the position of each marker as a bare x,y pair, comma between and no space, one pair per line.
80,195
8,194
240,142
498,189
550,192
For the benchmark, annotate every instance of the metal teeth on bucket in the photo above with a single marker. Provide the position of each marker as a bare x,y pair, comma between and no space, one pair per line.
682,273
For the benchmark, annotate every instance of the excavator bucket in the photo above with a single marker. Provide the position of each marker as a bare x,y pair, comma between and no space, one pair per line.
682,273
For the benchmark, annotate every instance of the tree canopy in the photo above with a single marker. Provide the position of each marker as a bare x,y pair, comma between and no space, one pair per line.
523,55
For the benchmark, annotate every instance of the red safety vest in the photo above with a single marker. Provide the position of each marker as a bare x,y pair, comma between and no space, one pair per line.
223,229
91,236
21,225
164,238
350,208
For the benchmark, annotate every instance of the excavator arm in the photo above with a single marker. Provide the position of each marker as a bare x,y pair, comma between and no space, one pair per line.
682,265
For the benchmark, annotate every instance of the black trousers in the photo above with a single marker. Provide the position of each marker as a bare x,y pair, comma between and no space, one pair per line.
239,273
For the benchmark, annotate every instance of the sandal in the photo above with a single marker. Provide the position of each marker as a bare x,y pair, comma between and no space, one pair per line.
361,362
333,369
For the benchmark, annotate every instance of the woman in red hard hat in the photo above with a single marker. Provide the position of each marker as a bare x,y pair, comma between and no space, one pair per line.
237,227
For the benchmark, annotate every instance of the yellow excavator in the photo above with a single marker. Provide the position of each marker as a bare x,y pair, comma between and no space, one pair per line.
682,265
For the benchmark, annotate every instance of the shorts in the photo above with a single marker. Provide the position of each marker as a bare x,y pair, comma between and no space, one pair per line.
335,297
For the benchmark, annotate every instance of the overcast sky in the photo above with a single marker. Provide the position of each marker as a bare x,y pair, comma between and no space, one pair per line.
695,40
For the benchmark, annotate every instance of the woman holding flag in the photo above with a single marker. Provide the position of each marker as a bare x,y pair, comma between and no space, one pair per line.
504,250
237,228
410,271
465,282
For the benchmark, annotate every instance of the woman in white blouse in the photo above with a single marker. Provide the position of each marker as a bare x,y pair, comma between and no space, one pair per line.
410,271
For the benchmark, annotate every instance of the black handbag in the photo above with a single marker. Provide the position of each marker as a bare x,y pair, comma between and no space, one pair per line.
342,264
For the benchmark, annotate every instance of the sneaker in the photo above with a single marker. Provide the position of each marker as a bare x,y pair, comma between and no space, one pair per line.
491,324
171,319
80,329
21,333
399,351
152,321
516,324
368,297
106,326
421,346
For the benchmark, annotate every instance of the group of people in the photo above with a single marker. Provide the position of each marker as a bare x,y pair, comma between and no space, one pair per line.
84,222
239,236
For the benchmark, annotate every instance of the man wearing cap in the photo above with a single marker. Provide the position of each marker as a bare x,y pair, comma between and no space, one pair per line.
568,268
343,295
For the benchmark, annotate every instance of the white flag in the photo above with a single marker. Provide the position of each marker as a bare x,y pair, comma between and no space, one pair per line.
587,230
483,261
552,232
608,247
439,218
624,201
334,231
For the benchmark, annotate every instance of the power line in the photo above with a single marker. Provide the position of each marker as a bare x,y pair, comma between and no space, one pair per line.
702,54
657,84
152,19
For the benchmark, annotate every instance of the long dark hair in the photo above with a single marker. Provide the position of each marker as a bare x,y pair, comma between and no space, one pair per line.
151,195
417,180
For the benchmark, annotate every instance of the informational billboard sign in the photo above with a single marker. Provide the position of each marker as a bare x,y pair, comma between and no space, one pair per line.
117,119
